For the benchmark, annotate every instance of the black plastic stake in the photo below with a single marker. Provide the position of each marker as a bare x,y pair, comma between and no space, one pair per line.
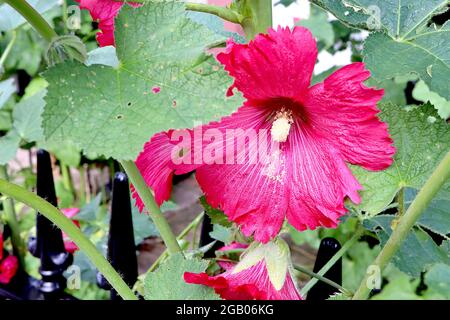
121,245
322,291
206,239
49,245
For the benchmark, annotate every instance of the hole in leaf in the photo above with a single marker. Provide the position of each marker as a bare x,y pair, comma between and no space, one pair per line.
156,89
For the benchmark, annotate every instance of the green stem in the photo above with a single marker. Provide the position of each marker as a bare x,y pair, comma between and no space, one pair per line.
440,175
65,15
183,234
401,202
67,179
86,246
346,292
222,12
257,16
82,190
34,18
19,247
7,50
228,252
333,260
149,201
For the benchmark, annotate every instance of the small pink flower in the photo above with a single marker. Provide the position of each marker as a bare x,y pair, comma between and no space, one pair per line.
104,11
264,273
8,269
70,213
316,131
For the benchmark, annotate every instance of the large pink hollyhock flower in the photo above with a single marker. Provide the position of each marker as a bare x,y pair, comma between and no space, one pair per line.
70,213
104,11
317,129
8,269
264,273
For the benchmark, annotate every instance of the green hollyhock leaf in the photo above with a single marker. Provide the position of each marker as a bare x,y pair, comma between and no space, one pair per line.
167,282
89,212
5,120
412,45
67,152
422,139
417,253
426,55
397,18
164,80
438,279
421,92
221,233
436,215
7,89
27,117
399,287
359,257
9,144
318,24
217,216
143,226
106,56
27,51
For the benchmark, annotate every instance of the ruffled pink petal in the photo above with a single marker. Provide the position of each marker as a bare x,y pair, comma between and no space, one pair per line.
154,163
250,284
345,111
279,64
319,180
252,190
104,11
160,159
8,269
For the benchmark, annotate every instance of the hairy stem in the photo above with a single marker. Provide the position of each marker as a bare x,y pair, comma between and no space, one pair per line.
34,18
150,204
401,202
222,12
440,175
182,234
257,16
323,279
333,260
66,225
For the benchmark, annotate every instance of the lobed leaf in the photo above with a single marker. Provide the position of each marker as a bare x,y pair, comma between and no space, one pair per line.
422,139
164,80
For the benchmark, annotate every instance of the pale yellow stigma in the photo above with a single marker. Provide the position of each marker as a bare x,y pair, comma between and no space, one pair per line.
281,126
